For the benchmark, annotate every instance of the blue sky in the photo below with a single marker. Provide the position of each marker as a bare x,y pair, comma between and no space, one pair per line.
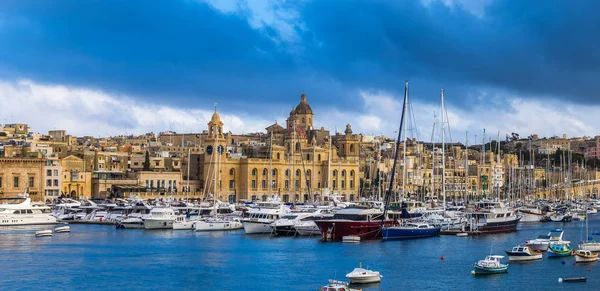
113,67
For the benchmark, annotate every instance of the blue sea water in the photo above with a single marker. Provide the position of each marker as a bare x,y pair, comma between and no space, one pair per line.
100,257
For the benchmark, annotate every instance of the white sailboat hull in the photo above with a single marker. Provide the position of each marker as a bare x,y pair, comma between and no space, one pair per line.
217,225
158,223
592,246
184,225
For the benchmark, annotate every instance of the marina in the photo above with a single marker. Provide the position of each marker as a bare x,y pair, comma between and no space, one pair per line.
172,259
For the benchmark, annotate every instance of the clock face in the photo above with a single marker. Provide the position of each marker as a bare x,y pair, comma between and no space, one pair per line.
220,149
209,150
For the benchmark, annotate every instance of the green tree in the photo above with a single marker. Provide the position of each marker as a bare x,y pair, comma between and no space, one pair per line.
147,162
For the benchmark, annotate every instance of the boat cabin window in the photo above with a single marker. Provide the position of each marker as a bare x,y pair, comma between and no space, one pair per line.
29,211
17,212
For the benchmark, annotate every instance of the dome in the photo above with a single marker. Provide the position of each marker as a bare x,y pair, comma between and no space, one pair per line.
215,118
303,107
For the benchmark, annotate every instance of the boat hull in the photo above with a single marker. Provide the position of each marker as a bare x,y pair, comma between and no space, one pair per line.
592,247
335,230
392,233
286,230
308,230
251,227
15,221
530,216
523,256
184,225
217,225
158,224
538,246
365,280
501,226
585,259
554,253
477,270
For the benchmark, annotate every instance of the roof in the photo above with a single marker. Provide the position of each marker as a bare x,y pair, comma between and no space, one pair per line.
303,107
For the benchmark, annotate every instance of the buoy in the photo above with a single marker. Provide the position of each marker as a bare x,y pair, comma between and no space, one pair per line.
442,257
473,272
563,262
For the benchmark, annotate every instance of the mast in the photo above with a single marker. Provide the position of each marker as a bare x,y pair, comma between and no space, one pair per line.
443,154
270,163
188,175
294,162
483,163
328,167
466,165
215,153
498,166
404,158
388,194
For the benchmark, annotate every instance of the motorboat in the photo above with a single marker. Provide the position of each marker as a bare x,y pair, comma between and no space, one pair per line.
490,265
211,224
410,231
262,215
131,222
285,226
46,232
363,276
585,256
560,249
160,218
523,253
351,239
362,222
25,213
560,216
335,285
531,214
492,217
308,227
64,228
542,242
572,280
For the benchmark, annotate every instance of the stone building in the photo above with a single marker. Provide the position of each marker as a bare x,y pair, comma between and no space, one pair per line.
296,163
18,174
77,180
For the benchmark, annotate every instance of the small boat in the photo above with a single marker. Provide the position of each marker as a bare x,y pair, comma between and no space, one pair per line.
462,234
490,265
46,232
585,256
363,276
60,229
542,242
523,253
561,249
572,280
130,222
351,238
561,217
335,285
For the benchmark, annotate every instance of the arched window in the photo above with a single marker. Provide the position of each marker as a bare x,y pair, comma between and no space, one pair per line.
287,173
298,173
297,184
297,146
351,148
264,184
253,172
307,157
308,173
343,173
319,157
334,173
231,172
265,171
352,173
274,172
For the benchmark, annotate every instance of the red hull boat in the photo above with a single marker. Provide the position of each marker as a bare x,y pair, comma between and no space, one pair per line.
364,223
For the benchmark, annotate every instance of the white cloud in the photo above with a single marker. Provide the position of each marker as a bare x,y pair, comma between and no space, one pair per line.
83,111
261,15
475,7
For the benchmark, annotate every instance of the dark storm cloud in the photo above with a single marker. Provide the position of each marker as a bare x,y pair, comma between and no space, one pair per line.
190,52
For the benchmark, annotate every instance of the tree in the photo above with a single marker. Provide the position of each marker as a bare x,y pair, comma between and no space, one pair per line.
147,162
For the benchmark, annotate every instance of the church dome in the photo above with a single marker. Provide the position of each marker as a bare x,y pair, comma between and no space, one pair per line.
215,117
303,107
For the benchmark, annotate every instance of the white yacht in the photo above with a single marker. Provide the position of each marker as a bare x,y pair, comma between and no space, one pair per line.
286,225
308,227
214,224
262,215
25,213
160,218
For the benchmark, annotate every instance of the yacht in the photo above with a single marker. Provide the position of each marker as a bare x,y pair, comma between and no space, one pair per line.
25,213
523,253
410,231
286,225
531,214
492,217
160,218
215,224
308,227
542,242
262,215
365,223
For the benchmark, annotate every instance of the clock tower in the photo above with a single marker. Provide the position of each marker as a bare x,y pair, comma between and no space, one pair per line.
215,154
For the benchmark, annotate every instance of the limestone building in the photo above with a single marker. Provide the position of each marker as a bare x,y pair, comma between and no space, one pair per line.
18,174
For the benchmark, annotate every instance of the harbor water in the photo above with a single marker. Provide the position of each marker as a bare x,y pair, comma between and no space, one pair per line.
94,257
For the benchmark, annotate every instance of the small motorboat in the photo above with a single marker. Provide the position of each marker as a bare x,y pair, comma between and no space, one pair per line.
585,256
462,234
542,242
363,276
490,265
560,249
46,232
335,285
523,253
64,228
351,238
572,280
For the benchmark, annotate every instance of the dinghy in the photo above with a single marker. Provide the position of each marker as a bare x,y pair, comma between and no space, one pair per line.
46,232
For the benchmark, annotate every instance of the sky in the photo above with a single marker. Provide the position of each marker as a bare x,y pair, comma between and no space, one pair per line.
129,67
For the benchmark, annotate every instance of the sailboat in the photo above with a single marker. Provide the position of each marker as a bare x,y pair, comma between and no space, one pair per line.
589,244
408,230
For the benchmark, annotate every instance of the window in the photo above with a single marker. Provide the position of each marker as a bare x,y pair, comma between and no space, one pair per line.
231,172
56,173
334,173
55,182
231,184
343,184
351,184
16,182
352,173
253,184
319,157
287,173
48,183
151,183
253,173
334,184
264,172
297,184
274,173
278,156
298,173
287,184
273,184
31,182
48,173
319,185
307,157
0,181
343,173
264,184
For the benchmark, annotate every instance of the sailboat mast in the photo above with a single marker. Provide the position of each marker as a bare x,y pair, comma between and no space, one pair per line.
188,175
443,153
466,165
404,159
328,167
270,163
388,194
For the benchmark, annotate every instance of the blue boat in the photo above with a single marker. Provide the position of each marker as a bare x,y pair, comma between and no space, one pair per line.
410,231
561,249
